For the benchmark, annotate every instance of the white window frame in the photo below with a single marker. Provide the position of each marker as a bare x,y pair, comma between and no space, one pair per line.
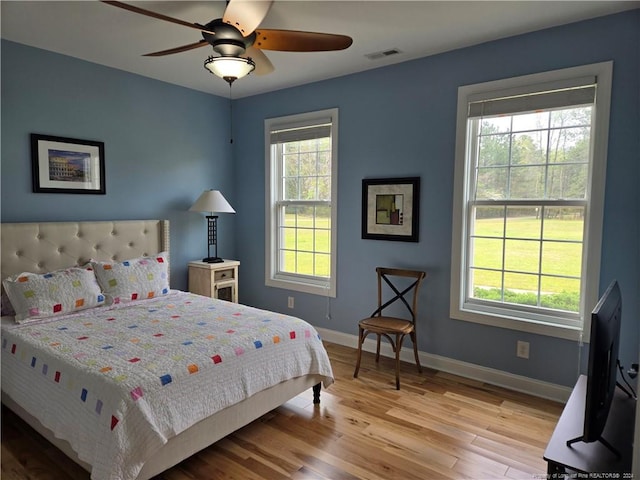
274,277
502,316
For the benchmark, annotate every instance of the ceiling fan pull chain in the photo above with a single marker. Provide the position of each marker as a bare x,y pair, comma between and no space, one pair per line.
230,115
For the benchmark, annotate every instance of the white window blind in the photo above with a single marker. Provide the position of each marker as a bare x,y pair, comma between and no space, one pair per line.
575,96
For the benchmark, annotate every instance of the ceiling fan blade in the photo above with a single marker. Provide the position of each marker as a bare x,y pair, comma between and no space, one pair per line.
246,15
159,16
294,41
183,48
263,64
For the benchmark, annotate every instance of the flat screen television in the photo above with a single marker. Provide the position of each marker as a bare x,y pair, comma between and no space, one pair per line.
602,367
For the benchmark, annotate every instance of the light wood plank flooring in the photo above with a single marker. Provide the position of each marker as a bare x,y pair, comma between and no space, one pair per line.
438,426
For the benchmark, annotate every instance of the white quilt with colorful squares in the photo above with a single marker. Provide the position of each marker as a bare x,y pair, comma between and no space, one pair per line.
118,382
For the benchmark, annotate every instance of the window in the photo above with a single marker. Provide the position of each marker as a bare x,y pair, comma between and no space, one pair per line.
528,200
301,188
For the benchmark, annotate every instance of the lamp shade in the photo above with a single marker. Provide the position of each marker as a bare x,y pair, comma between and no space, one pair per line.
212,201
229,67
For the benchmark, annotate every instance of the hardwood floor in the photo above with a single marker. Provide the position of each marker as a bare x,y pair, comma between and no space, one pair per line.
438,426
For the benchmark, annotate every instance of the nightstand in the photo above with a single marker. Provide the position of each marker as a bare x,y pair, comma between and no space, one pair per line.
215,280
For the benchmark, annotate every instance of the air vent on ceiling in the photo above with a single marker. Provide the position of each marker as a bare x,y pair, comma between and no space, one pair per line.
383,54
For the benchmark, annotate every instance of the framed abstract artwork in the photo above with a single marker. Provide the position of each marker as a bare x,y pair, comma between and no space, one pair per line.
390,208
67,165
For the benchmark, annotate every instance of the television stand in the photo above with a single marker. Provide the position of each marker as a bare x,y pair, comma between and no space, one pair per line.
622,387
601,439
600,457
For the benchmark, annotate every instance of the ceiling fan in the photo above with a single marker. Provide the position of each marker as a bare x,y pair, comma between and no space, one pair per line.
238,40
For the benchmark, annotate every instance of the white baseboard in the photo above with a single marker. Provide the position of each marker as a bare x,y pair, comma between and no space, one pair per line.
500,378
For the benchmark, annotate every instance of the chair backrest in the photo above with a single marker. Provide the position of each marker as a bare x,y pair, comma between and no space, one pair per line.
387,275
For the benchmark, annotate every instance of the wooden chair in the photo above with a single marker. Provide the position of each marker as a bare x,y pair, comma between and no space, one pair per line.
392,326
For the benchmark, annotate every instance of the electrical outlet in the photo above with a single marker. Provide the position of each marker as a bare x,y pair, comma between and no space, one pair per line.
290,302
522,349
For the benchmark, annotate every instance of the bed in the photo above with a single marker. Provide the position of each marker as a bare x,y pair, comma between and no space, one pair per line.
180,372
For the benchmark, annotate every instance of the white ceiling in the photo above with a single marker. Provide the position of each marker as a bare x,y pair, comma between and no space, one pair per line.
106,35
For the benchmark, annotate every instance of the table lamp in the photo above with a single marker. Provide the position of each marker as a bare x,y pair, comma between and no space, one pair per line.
212,201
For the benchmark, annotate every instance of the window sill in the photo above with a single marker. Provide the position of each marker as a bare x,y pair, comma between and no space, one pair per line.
529,326
300,286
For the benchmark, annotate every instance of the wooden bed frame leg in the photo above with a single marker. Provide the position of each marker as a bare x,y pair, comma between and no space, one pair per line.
316,393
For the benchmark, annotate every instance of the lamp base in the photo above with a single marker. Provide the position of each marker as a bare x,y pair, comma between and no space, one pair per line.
213,260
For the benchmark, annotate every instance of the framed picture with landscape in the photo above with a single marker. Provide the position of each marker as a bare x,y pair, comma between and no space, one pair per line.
67,165
390,208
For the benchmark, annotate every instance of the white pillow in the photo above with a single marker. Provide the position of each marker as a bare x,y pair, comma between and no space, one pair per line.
44,295
136,279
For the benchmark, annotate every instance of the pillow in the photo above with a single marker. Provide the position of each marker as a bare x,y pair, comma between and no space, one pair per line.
136,279
34,295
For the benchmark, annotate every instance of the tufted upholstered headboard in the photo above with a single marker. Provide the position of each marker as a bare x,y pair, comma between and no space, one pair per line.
47,246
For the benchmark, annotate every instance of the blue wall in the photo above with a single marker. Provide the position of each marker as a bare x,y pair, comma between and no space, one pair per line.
164,145
400,121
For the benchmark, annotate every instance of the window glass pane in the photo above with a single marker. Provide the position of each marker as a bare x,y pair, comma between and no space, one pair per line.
567,181
323,217
306,239
308,188
569,117
290,216
324,163
291,147
288,238
563,223
487,252
486,284
322,263
530,121
527,182
322,241
521,288
290,165
569,145
500,124
288,261
308,145
522,255
291,188
492,183
324,188
306,217
560,294
562,258
489,221
324,143
529,148
308,164
524,222
305,263
494,150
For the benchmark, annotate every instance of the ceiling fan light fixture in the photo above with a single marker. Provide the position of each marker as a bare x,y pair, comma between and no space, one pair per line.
229,68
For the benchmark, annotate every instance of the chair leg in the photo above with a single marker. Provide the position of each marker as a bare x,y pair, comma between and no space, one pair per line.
378,349
415,350
360,339
399,339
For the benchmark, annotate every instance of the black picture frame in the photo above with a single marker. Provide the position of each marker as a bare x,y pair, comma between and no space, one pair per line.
67,165
391,208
